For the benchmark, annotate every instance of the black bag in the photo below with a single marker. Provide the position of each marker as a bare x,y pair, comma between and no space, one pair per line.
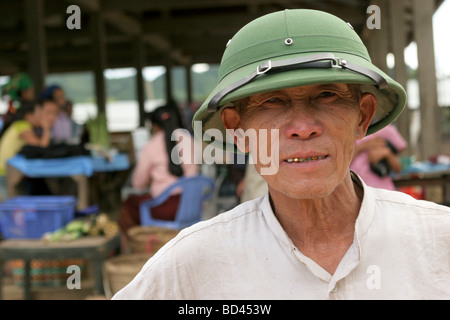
59,150
382,168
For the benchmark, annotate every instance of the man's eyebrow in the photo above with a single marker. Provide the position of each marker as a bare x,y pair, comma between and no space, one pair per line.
261,96
341,86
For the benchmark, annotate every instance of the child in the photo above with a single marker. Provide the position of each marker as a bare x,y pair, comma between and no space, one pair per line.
21,132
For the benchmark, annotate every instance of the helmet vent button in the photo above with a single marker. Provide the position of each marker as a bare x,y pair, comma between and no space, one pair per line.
288,41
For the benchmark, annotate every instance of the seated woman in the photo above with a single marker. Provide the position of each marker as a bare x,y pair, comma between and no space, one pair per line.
377,155
30,115
65,130
156,169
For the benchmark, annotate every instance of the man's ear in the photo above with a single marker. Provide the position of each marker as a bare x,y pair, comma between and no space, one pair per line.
232,123
368,107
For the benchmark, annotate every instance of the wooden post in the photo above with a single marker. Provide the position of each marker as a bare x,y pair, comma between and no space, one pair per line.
139,65
398,45
169,91
423,33
99,59
189,85
37,54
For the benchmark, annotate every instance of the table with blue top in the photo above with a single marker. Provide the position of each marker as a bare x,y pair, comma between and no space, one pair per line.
426,173
79,168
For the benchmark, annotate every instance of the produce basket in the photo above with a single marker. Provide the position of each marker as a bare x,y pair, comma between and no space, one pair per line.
45,273
118,271
29,217
149,239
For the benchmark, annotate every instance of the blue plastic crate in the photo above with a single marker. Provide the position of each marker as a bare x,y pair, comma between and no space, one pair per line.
29,217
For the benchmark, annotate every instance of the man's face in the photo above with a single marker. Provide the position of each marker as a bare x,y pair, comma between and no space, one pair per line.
317,129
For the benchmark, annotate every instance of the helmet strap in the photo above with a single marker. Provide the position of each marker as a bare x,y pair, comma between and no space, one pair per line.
320,60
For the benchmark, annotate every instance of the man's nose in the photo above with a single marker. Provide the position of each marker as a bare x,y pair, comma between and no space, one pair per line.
303,122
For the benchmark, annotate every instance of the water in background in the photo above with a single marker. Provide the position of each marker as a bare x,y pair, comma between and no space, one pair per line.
121,115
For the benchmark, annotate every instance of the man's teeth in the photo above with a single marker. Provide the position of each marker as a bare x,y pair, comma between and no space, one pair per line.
306,159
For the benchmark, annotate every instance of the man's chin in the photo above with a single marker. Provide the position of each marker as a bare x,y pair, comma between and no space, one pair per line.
310,190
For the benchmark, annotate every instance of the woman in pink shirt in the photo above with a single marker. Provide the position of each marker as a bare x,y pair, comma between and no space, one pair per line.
156,170
383,145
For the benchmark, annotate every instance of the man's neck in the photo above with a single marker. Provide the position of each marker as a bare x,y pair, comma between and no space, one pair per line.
322,229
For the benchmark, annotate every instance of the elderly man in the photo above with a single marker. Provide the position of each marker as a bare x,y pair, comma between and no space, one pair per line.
320,232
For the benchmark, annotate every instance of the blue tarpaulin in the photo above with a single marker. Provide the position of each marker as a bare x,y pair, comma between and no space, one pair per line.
68,166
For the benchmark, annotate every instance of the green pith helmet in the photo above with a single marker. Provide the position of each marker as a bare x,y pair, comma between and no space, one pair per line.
293,48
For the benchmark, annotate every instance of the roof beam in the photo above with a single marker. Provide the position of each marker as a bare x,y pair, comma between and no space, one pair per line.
131,26
141,5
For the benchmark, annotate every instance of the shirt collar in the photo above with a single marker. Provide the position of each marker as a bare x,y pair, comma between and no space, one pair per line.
367,210
363,221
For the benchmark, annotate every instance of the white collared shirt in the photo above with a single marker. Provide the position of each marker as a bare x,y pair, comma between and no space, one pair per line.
401,250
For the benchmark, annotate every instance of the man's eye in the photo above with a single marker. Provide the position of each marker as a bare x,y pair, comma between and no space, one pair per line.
326,94
273,100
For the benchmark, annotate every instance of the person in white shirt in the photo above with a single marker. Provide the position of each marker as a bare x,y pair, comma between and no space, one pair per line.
320,232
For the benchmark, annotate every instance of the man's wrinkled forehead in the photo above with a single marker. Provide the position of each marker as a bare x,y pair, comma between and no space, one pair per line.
304,90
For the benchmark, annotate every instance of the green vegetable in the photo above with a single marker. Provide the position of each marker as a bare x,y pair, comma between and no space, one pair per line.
98,130
93,225
72,235
55,236
75,225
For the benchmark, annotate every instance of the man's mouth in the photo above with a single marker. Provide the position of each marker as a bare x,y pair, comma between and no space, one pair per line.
297,160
